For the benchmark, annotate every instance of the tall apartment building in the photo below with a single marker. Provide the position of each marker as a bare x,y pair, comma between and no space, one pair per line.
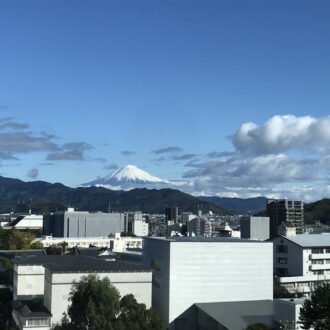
199,226
135,224
289,212
302,262
172,214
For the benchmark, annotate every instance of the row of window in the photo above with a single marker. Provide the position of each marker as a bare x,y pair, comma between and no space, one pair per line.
320,250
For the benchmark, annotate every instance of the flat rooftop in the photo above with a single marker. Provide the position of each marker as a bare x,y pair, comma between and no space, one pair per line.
202,239
311,240
82,264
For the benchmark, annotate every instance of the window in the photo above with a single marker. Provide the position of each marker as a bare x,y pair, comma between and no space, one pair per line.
318,272
317,251
317,262
327,250
282,248
38,322
282,271
282,260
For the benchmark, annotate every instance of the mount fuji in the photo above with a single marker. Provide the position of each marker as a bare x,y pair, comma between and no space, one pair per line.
131,177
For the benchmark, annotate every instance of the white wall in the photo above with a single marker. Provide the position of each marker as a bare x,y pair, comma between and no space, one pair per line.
200,272
141,228
28,281
58,286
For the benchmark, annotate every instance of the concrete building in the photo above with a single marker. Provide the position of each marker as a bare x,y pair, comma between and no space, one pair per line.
199,226
186,217
287,211
255,227
172,214
135,224
28,221
116,243
82,224
302,262
51,277
191,270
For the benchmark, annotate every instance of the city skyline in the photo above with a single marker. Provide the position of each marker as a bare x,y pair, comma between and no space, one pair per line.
232,97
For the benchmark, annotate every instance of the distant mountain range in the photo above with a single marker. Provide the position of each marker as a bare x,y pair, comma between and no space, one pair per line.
40,196
240,205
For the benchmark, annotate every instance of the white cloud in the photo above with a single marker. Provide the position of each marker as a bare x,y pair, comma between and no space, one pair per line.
266,162
283,133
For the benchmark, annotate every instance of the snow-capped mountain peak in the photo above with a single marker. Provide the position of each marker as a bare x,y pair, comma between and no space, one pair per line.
131,173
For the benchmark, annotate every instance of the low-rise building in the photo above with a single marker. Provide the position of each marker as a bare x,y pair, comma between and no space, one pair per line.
302,262
50,279
27,221
117,243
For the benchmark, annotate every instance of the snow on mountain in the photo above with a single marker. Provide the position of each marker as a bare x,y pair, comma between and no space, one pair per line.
130,177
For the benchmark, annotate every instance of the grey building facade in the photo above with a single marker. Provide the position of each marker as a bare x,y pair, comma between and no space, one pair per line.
289,212
255,227
82,224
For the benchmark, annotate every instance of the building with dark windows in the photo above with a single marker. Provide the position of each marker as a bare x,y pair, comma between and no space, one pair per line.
289,212
172,214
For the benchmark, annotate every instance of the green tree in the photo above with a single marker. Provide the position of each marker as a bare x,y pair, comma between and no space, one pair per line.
315,312
135,316
96,304
258,326
13,239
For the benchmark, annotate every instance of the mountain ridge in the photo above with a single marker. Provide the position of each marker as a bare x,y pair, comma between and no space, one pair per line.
17,195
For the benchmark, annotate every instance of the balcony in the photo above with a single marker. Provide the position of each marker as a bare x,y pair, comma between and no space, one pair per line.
319,267
318,256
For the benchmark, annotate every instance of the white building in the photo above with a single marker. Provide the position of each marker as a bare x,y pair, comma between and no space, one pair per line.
189,270
199,226
135,223
51,278
29,221
117,243
302,262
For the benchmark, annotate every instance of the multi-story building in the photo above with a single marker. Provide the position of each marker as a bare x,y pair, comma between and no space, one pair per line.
186,217
50,279
191,270
135,224
302,262
172,214
289,212
255,227
73,223
199,226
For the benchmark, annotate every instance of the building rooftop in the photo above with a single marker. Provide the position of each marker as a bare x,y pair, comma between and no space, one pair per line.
239,314
81,263
31,309
311,240
91,265
204,239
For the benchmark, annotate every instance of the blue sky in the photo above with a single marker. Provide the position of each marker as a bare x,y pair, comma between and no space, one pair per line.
91,80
